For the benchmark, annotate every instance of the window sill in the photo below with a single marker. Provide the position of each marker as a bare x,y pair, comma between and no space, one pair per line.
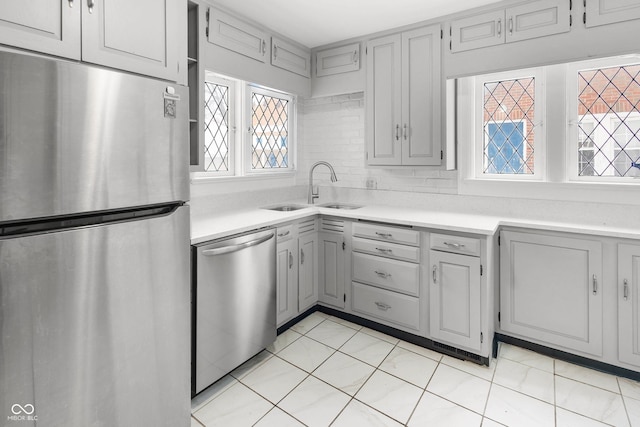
618,193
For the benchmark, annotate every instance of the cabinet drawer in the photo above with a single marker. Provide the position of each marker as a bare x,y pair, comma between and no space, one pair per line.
390,306
387,273
284,233
387,234
391,250
455,244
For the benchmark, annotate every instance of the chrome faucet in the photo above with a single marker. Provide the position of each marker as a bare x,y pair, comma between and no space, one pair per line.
313,192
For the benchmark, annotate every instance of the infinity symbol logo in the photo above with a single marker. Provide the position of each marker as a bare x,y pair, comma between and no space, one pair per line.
26,409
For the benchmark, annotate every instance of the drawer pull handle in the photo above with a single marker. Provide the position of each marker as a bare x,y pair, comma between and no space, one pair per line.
435,270
386,251
382,306
286,233
625,291
382,274
384,235
455,245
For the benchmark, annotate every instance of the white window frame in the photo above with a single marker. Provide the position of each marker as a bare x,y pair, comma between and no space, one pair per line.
538,111
240,138
571,166
248,140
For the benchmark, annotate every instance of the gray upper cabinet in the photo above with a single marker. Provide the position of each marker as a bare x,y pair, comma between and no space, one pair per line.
403,99
140,36
601,12
338,60
530,20
108,32
289,57
237,35
48,26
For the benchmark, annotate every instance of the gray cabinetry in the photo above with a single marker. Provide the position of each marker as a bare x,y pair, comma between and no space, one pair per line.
237,35
307,264
601,12
286,274
551,289
331,262
628,303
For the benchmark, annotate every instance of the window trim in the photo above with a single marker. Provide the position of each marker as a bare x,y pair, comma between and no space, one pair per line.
231,119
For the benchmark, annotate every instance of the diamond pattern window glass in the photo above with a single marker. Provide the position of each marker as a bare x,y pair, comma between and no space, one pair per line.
508,127
216,132
609,121
270,131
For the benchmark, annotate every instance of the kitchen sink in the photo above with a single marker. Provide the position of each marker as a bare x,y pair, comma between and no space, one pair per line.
335,205
286,208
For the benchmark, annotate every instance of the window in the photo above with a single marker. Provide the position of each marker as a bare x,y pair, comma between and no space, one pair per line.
608,121
507,142
266,118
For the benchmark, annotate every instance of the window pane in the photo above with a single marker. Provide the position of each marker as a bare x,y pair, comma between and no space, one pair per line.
216,131
270,123
609,121
508,127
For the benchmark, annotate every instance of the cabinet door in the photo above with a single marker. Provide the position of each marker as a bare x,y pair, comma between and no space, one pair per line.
338,60
48,26
628,303
454,302
601,12
287,283
383,101
307,271
331,257
421,107
289,57
140,36
550,290
478,31
238,36
537,19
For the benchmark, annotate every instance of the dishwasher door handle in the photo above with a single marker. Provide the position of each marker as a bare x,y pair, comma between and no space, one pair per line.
236,248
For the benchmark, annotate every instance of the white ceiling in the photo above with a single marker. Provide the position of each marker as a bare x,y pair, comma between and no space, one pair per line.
319,22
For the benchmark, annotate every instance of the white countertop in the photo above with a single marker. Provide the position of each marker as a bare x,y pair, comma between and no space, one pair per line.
224,224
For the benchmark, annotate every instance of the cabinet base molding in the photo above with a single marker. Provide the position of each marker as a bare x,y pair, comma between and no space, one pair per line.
396,333
565,356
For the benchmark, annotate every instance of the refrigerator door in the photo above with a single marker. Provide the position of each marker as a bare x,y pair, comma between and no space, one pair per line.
76,138
95,325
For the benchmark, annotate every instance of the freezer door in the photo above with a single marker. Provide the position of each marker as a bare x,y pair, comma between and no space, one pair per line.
95,325
77,138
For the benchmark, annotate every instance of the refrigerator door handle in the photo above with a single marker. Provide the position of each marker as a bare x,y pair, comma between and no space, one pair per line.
235,248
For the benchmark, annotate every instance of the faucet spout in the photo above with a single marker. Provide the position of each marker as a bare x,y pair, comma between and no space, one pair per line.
314,192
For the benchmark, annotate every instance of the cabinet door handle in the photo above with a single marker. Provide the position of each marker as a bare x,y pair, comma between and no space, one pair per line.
275,51
595,284
434,272
499,27
455,245
382,274
290,260
404,133
384,235
382,306
301,256
355,56
384,251
397,132
264,47
511,25
625,290
286,233
90,4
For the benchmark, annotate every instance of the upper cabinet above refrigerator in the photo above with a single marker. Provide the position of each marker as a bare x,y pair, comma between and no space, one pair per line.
142,36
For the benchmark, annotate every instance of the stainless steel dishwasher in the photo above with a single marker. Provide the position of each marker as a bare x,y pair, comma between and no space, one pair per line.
233,304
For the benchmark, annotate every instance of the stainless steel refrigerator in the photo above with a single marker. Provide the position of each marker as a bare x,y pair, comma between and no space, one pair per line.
94,247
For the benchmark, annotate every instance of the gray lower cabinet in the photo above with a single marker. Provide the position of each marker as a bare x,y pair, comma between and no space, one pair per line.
551,290
331,262
286,274
307,267
454,300
628,303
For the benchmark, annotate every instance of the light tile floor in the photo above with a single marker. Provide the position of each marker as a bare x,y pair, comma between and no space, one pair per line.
325,371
